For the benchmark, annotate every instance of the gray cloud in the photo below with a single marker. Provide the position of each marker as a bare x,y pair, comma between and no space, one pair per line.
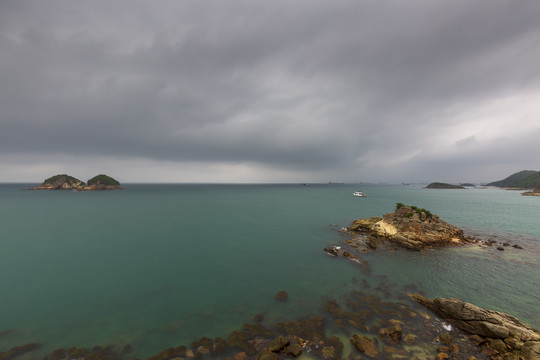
309,90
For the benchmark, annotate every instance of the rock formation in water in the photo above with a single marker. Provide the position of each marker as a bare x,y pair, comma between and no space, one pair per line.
440,185
518,339
66,182
535,192
409,227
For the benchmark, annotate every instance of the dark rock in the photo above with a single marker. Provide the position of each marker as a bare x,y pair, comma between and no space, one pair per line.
410,339
500,248
282,296
445,338
240,338
336,343
204,341
328,352
365,345
331,251
279,343
267,355
475,320
513,343
304,328
220,345
18,351
294,350
442,356
517,247
476,340
498,345
392,333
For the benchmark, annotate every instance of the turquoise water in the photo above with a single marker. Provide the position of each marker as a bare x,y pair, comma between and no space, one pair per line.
161,265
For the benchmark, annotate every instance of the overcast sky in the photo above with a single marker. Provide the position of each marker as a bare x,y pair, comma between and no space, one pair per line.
269,91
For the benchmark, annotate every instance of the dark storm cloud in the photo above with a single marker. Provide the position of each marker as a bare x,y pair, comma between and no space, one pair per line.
308,85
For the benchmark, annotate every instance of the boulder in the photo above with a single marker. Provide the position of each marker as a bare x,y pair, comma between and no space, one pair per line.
392,333
366,345
294,350
279,343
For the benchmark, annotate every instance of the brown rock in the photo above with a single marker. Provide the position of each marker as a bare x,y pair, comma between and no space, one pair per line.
411,228
498,345
476,340
267,355
279,343
282,296
240,356
445,338
475,320
410,339
442,356
328,352
392,333
294,350
365,345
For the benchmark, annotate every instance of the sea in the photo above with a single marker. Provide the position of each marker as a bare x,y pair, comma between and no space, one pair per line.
160,265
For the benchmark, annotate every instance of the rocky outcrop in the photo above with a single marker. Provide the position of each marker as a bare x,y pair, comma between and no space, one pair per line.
535,192
365,345
513,336
410,227
66,182
440,185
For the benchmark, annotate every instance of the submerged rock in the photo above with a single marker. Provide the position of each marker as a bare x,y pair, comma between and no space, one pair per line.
282,296
365,345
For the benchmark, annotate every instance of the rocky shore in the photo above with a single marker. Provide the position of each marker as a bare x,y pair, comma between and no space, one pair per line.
495,331
375,321
535,192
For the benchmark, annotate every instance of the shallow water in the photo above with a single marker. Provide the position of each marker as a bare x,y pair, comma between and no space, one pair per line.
161,265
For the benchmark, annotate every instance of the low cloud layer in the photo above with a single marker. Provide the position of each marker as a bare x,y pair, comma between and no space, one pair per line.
244,91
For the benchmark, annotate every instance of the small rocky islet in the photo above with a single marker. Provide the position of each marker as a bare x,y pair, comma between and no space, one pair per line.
66,182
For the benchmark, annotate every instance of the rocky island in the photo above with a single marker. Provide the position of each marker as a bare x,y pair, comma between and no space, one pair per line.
66,182
440,185
409,227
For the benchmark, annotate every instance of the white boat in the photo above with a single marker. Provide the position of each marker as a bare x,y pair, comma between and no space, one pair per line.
359,194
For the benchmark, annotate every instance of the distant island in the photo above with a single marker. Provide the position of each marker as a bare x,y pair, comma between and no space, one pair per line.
526,179
440,185
66,182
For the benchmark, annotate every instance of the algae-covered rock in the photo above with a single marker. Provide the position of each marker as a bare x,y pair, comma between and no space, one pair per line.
392,333
282,296
267,355
365,345
294,350
279,343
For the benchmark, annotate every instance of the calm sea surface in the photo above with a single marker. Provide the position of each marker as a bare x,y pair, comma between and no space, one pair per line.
156,266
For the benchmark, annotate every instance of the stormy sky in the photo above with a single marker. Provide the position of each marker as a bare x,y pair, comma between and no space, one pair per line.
269,91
